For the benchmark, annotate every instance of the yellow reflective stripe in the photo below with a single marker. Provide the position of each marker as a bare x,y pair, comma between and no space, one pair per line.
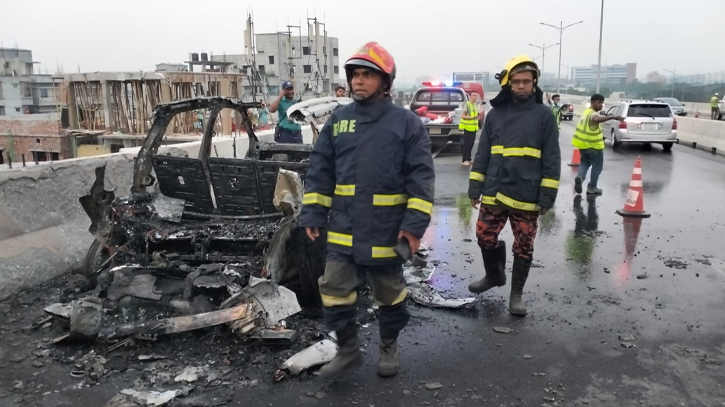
315,198
400,298
585,137
496,149
488,200
524,206
420,205
550,183
339,238
390,200
345,190
383,252
332,301
477,176
521,151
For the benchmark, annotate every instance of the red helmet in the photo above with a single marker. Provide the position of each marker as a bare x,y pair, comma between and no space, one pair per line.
372,55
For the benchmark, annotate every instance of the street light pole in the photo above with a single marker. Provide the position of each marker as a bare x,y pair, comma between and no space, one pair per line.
599,61
674,81
543,49
561,29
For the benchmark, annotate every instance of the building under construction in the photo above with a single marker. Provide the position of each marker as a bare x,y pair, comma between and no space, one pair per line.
118,106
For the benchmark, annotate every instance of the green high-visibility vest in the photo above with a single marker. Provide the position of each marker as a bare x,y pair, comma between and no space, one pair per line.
469,124
585,137
713,101
557,113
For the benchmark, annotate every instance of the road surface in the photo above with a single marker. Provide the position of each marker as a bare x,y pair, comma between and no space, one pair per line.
598,279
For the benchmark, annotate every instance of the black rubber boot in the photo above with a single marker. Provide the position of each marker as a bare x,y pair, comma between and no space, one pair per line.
389,354
348,355
518,279
494,261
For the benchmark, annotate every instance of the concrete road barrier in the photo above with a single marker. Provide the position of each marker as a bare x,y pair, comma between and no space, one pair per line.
43,228
704,134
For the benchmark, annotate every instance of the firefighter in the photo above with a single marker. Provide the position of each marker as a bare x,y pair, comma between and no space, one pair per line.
514,177
371,174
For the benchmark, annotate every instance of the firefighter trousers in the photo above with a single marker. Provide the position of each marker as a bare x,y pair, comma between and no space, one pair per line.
491,221
338,289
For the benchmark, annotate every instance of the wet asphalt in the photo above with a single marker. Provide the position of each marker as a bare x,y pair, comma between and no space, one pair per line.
583,295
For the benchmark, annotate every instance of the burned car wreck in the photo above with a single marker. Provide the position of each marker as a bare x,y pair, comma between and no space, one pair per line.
194,233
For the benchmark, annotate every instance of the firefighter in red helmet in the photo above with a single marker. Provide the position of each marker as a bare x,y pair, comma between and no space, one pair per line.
369,186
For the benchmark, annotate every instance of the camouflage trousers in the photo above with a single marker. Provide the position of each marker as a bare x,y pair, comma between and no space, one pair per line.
491,222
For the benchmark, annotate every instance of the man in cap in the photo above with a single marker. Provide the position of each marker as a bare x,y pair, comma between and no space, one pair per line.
514,177
370,185
288,132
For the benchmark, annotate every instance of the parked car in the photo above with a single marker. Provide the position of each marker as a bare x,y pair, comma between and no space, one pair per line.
677,107
567,111
645,121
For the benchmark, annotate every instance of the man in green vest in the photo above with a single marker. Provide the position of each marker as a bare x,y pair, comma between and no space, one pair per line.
715,107
554,103
469,125
589,139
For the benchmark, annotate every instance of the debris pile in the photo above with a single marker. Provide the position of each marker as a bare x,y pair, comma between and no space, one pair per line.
162,275
418,274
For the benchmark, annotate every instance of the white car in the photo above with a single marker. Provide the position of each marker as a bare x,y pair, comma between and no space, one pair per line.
645,121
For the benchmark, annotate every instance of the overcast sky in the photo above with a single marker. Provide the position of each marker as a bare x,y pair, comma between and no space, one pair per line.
425,37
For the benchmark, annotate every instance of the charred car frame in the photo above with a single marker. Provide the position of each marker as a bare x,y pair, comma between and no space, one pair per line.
188,212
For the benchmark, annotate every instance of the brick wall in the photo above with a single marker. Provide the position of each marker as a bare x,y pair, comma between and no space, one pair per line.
29,127
23,135
27,144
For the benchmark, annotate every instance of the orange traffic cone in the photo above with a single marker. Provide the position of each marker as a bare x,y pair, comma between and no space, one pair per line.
634,204
576,158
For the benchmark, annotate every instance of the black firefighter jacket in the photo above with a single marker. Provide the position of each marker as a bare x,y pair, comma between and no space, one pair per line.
371,175
518,162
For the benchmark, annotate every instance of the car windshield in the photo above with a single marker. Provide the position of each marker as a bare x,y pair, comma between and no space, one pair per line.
671,101
649,110
440,96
